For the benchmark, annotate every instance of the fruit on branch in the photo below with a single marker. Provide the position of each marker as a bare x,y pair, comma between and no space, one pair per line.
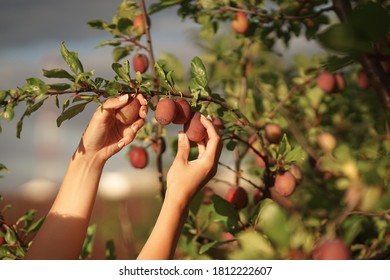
194,129
129,113
285,183
159,143
258,196
296,171
140,63
138,157
331,250
273,133
327,142
165,111
340,82
240,23
140,24
237,196
326,81
217,122
207,193
183,111
362,79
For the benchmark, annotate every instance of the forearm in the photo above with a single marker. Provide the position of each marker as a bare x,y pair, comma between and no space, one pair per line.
162,242
63,232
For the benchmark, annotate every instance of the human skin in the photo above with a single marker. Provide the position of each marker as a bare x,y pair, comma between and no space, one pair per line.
162,242
63,231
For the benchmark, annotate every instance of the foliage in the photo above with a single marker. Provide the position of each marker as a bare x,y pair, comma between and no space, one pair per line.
344,191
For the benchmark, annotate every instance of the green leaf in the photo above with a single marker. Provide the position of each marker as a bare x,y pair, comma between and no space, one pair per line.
154,8
59,87
225,209
57,73
114,43
36,225
198,72
231,145
272,220
121,72
30,109
97,24
376,23
284,146
342,37
10,237
120,52
208,246
71,112
296,154
71,59
125,25
88,242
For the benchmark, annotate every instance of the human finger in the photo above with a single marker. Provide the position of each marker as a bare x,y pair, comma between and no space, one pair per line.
116,102
130,133
214,145
142,100
183,147
143,111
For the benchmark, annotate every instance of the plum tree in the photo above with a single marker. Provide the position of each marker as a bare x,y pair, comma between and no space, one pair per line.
165,111
138,157
140,63
194,129
237,196
271,110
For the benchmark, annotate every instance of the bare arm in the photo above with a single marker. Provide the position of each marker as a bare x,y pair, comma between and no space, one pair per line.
63,232
162,242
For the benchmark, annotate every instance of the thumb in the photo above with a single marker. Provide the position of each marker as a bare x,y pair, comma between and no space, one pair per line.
183,147
116,103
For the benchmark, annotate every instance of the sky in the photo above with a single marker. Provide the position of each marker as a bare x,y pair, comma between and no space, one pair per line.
31,33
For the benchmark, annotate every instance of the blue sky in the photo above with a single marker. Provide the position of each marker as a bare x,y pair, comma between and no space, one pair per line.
31,33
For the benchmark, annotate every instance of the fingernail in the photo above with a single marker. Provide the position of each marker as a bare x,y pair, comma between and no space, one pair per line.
143,113
121,144
123,97
135,127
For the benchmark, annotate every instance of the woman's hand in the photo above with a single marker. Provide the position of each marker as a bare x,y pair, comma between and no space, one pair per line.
105,134
185,178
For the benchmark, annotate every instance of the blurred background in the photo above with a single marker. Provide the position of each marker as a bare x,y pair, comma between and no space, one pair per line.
31,34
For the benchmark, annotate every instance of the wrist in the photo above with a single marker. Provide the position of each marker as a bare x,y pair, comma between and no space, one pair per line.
177,200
